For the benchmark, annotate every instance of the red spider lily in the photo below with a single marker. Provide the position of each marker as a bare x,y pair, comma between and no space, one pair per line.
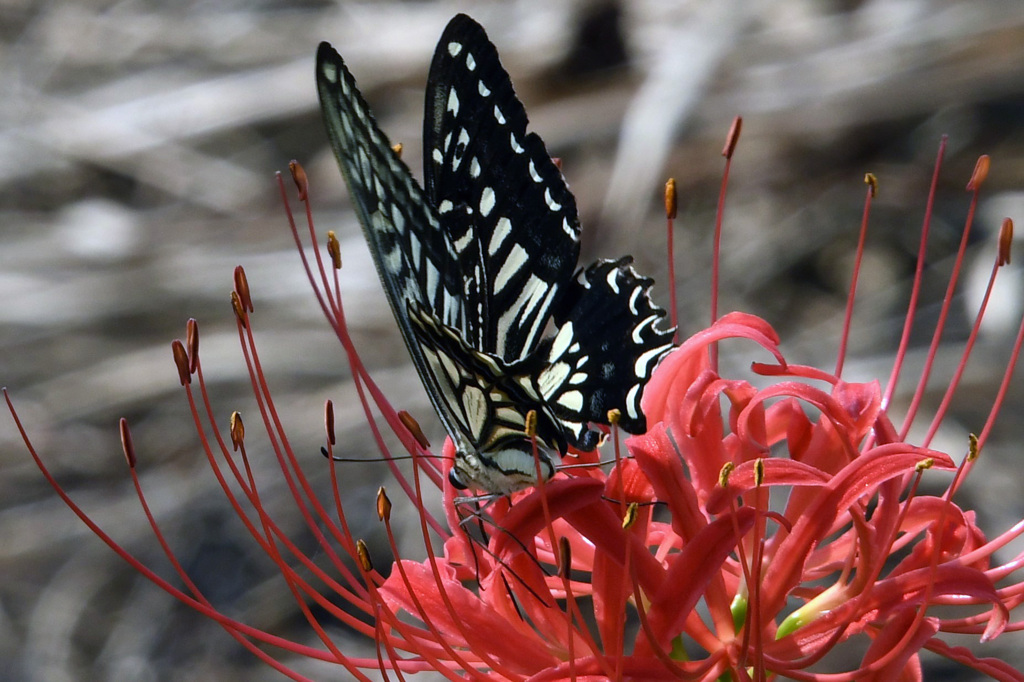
760,525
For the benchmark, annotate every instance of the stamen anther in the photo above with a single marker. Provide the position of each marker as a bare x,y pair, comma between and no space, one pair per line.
733,138
363,554
564,556
671,201
126,442
329,421
334,249
1005,241
301,181
414,428
531,423
383,505
181,361
242,288
979,174
236,305
725,473
629,518
872,182
237,429
192,340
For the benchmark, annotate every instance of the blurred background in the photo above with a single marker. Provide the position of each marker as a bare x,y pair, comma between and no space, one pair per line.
138,143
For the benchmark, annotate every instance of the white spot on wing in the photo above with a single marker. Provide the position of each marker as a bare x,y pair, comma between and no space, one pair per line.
561,342
457,157
525,305
453,102
474,405
515,462
474,168
552,378
398,219
463,241
572,400
498,116
642,365
513,264
393,258
613,281
552,204
516,147
545,305
414,248
470,62
568,229
501,231
454,48
533,172
445,207
486,201
632,300
449,307
433,277
482,89
638,330
450,370
631,402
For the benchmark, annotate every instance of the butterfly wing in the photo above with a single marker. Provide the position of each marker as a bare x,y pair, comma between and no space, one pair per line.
476,265
506,208
516,232
414,257
606,348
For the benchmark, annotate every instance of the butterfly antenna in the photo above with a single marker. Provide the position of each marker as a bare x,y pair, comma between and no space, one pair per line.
392,458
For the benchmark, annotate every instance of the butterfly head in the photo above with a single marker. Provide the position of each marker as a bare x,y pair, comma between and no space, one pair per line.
505,468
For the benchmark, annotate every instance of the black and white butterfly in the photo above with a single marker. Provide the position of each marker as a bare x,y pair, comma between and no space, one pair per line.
480,269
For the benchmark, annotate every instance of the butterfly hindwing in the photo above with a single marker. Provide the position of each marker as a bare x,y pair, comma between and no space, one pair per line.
512,218
489,397
606,347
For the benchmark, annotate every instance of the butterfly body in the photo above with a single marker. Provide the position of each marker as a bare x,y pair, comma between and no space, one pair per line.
479,266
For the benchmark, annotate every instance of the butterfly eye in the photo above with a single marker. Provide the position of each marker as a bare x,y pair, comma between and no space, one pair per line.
455,480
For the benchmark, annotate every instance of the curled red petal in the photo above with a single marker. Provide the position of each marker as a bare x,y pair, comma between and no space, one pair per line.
517,647
690,571
777,472
685,363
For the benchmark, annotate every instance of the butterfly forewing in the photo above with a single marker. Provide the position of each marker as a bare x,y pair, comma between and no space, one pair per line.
413,255
511,218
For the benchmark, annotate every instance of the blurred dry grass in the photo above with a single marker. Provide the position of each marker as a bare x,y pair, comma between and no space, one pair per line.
137,149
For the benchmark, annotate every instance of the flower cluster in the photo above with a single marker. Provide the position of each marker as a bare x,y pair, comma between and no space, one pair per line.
758,527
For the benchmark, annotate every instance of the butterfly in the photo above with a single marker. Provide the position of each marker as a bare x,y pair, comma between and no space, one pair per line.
480,268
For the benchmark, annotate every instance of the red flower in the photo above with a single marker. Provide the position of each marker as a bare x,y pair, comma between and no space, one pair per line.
762,522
